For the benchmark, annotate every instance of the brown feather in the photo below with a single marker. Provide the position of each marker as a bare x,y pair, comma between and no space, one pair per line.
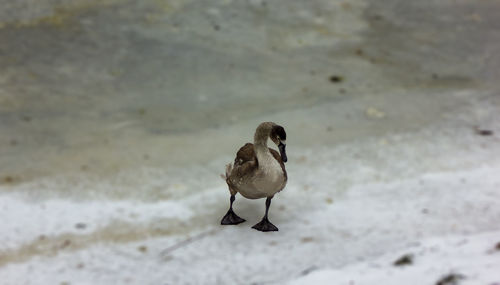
247,160
245,154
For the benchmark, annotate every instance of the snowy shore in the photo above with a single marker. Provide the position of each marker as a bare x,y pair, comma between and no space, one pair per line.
344,218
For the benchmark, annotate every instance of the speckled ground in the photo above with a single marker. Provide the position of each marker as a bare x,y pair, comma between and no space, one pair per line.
117,117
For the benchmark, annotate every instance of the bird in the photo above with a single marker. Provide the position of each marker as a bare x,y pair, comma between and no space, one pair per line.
258,172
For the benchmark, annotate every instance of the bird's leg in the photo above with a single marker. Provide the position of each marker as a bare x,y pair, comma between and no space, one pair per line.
231,218
265,225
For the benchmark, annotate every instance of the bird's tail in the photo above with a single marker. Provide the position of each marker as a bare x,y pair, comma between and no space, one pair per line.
229,168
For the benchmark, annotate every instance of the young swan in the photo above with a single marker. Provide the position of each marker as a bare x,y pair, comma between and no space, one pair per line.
258,172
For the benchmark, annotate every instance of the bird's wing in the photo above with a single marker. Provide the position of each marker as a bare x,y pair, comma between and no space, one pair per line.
245,160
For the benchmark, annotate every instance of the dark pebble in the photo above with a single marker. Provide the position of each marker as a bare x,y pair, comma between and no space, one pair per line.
406,259
8,179
80,226
66,243
450,279
336,79
484,132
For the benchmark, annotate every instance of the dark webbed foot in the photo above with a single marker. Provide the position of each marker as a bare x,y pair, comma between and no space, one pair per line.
231,219
265,226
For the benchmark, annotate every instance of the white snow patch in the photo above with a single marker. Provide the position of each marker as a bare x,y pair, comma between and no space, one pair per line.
471,258
24,221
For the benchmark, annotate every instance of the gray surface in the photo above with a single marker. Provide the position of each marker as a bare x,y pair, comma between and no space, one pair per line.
81,79
117,117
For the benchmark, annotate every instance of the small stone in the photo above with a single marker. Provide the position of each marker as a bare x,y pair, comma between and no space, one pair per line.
308,270
372,112
336,79
302,159
8,179
66,243
307,239
450,279
406,259
80,226
482,132
485,132
142,248
329,200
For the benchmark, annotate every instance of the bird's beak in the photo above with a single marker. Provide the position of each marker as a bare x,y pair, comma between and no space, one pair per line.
281,147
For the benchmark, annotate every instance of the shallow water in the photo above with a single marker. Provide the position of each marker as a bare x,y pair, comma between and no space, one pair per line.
139,103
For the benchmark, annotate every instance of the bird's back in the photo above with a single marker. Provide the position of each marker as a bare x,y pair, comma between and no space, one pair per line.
245,170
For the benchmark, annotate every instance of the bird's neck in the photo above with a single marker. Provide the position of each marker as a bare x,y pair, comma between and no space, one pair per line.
260,144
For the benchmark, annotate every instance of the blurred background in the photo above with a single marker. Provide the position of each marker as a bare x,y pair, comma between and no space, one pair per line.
117,117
